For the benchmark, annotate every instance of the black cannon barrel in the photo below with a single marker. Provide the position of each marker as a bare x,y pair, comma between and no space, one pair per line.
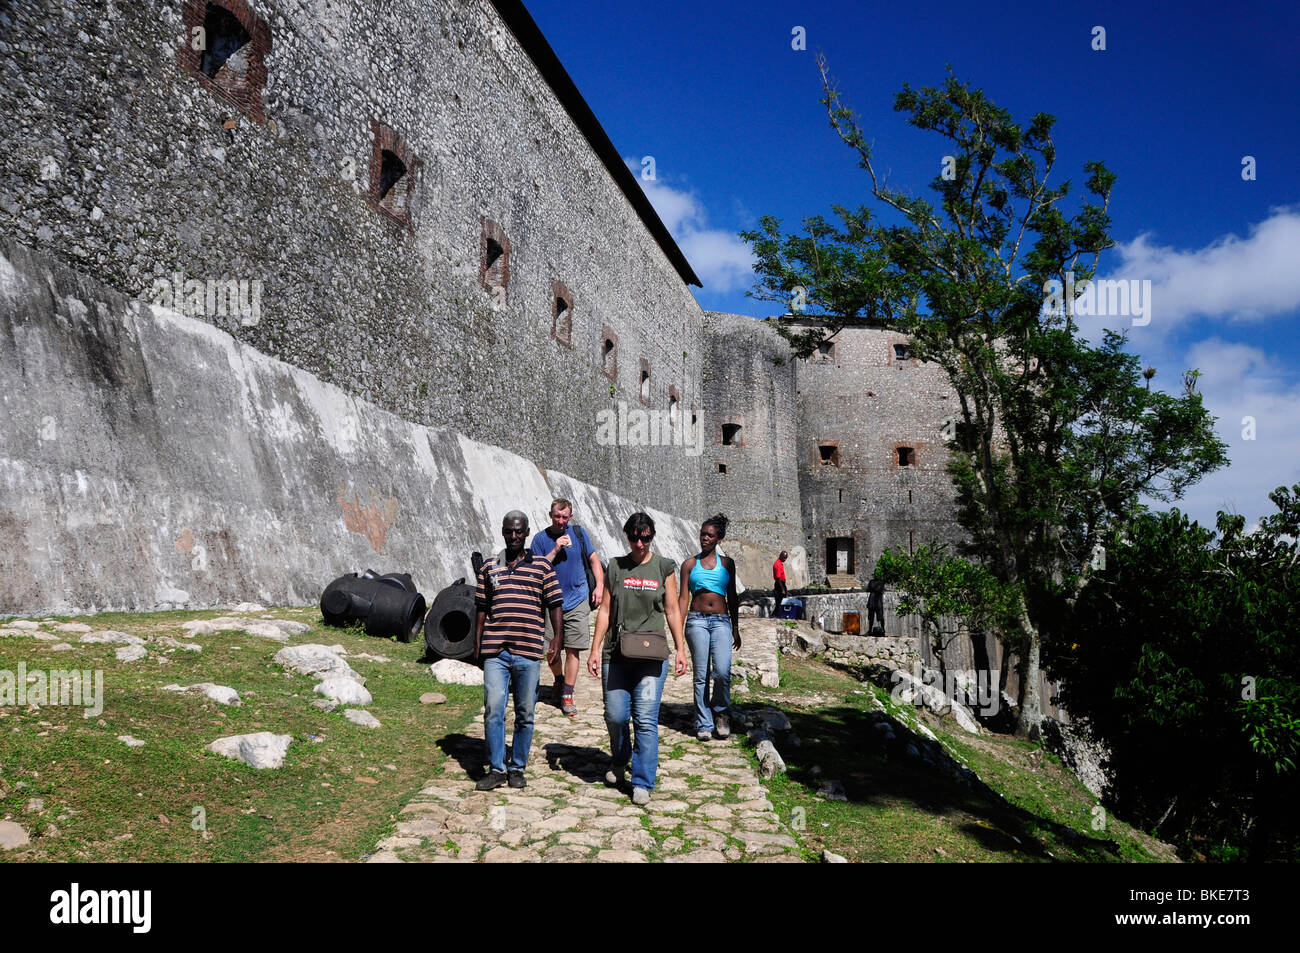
449,627
388,605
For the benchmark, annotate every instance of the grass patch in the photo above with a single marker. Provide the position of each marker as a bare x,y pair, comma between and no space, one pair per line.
899,808
341,787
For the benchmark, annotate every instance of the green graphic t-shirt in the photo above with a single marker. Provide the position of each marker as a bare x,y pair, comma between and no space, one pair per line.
639,594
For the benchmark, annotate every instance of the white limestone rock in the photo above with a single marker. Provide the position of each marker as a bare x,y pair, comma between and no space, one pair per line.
249,607
130,742
770,762
772,719
108,636
910,690
12,836
832,790
222,694
171,643
27,624
262,749
359,716
288,626
321,661
266,630
344,691
453,672
130,653
73,627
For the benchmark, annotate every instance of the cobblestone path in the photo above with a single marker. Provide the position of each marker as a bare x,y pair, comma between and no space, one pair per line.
708,805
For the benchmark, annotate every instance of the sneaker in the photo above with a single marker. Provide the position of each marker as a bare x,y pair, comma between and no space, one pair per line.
517,779
614,777
567,706
722,724
703,735
491,780
640,796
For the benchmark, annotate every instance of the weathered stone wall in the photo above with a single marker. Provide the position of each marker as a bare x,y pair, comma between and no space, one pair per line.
149,460
863,402
749,381
118,160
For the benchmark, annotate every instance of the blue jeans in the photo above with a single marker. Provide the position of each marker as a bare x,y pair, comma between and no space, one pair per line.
501,673
708,635
633,689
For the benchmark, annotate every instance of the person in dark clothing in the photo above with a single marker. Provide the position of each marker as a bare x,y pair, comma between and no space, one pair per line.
876,606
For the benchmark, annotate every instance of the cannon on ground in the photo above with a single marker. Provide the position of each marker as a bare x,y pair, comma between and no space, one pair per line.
387,605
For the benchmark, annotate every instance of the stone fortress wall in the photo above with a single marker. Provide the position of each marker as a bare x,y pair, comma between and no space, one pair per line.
871,455
750,470
120,159
816,458
434,230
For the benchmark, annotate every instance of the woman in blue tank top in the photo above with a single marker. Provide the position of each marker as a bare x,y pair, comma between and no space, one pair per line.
708,588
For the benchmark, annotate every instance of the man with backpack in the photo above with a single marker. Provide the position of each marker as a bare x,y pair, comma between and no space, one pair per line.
582,580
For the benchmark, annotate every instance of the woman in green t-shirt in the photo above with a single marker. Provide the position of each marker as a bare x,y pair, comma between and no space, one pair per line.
640,597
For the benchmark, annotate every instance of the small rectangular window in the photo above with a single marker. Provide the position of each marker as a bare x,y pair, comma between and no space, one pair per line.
608,352
494,261
562,313
394,175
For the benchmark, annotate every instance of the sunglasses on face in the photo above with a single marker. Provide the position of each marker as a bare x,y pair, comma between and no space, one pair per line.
643,537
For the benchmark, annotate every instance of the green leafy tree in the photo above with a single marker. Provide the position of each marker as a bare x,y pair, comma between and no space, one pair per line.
1055,440
943,590
1182,657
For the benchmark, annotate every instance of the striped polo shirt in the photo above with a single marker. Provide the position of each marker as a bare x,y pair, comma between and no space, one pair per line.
515,619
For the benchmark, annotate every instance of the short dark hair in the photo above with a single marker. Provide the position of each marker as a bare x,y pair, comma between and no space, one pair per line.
718,522
638,522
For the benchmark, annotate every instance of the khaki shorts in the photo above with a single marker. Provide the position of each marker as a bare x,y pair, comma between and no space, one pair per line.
577,627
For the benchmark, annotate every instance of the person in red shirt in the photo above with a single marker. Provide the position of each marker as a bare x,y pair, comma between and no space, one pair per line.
778,575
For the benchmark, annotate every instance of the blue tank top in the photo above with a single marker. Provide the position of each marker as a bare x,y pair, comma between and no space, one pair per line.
714,580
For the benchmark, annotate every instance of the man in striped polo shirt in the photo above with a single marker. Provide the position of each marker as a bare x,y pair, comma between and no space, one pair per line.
514,589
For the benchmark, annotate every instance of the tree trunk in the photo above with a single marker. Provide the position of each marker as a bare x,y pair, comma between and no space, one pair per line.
1028,723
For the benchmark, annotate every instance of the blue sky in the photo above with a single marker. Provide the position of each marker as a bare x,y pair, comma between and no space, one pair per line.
1182,92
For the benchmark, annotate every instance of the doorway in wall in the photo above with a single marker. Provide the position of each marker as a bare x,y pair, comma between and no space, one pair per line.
839,555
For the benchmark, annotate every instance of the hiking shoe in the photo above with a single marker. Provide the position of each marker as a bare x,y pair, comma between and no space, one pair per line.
640,796
614,777
567,706
517,779
491,780
722,724
703,735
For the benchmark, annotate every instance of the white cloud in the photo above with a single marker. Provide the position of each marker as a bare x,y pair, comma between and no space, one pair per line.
1232,278
1240,381
721,259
